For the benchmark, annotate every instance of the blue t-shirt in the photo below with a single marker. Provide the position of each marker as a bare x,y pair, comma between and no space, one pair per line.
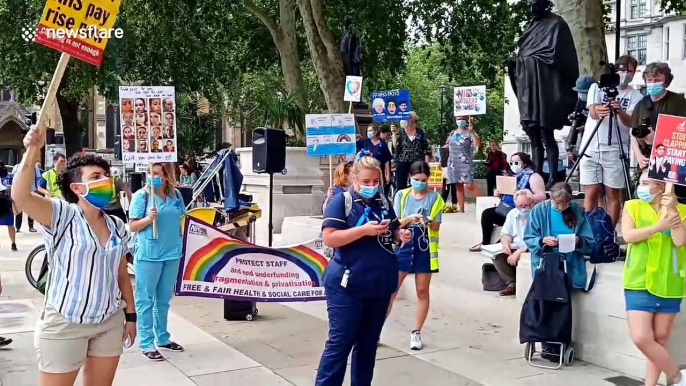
379,151
557,225
509,199
168,244
371,260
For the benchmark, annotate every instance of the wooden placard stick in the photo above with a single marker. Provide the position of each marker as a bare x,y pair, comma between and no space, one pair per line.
47,107
154,200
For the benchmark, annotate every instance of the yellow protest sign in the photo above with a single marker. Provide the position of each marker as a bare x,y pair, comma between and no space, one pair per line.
79,28
436,177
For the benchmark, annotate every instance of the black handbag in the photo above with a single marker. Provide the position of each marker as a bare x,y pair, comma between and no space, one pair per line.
503,208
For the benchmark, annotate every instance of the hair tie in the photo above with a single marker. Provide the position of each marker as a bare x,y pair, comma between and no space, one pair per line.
362,153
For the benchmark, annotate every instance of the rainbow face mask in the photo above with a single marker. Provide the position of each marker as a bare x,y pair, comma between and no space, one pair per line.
99,193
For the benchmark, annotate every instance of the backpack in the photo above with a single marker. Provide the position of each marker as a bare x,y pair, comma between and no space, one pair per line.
349,202
606,248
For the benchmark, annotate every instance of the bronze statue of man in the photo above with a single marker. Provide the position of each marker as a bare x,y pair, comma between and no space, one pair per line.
543,77
351,49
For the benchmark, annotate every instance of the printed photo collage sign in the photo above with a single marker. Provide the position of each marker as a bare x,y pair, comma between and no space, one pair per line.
148,124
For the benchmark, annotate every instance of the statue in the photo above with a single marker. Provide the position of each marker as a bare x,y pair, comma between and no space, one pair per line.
543,77
351,49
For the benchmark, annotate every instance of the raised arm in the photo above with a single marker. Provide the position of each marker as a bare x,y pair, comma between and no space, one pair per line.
37,207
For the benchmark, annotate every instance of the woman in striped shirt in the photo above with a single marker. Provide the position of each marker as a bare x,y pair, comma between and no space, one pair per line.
88,314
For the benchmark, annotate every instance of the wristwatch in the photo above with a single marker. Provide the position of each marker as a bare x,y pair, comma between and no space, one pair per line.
130,317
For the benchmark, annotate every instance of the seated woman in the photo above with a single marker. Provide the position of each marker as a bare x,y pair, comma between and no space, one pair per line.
653,274
527,178
547,222
341,182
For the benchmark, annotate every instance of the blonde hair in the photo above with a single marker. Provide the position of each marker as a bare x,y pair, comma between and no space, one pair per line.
366,162
169,183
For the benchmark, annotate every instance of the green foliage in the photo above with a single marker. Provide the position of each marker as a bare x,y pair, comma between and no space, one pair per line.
677,6
195,128
282,111
479,170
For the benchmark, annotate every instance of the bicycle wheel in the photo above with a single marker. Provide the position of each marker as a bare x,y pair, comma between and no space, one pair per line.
34,262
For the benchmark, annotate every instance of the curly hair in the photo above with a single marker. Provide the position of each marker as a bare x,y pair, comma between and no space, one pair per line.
72,174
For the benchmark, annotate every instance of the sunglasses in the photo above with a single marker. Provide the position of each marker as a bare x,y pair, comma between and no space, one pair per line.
515,163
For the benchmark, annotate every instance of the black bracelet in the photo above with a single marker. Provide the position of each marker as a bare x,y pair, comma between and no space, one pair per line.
130,317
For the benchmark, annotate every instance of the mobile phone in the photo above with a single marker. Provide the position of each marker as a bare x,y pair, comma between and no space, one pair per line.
127,342
385,222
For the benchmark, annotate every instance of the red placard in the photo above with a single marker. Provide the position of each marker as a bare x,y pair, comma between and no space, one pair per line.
668,156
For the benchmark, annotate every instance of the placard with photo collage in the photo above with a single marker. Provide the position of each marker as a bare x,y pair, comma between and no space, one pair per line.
148,124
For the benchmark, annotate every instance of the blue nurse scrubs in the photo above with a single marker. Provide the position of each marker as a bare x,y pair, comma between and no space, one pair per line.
357,306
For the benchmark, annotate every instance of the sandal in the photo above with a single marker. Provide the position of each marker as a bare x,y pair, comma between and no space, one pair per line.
476,248
153,355
171,346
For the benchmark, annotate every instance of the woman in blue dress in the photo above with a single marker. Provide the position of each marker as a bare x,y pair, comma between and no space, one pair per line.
6,208
361,277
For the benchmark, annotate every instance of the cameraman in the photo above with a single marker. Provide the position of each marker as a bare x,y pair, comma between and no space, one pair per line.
658,76
601,164
580,115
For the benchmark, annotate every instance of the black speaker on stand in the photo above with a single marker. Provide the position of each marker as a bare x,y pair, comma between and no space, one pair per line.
135,181
269,156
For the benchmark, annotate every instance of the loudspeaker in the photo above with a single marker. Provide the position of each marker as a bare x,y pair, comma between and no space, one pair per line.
268,150
136,181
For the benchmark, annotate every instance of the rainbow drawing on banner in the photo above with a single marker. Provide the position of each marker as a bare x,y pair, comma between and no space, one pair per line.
209,260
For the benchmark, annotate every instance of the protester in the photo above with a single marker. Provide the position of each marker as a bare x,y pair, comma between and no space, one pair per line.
462,143
512,240
422,211
527,178
188,178
341,182
6,207
84,321
601,164
378,148
157,258
52,188
411,145
360,277
547,222
19,217
653,287
496,165
448,189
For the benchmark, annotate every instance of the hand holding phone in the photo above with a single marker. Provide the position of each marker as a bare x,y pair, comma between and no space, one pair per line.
385,222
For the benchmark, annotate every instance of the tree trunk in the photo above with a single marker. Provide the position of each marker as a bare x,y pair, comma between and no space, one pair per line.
585,20
285,37
325,53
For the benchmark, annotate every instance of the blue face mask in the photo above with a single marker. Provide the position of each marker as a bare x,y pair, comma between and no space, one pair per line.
418,185
643,193
158,182
655,89
370,135
368,192
524,212
461,123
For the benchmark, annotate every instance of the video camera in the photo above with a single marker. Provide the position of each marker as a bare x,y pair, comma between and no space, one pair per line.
610,80
577,119
643,129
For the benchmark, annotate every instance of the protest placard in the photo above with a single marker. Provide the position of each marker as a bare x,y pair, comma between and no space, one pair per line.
330,134
148,124
216,265
668,156
470,100
436,177
353,89
390,106
78,28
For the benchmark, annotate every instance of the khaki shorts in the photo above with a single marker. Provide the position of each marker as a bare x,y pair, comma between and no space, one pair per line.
62,346
602,167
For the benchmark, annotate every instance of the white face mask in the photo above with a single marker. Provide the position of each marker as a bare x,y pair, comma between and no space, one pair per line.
403,124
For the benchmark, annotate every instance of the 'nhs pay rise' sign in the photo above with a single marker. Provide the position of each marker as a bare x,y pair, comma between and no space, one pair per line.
330,134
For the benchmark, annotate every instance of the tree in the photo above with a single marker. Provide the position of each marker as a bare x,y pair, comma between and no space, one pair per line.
196,126
586,22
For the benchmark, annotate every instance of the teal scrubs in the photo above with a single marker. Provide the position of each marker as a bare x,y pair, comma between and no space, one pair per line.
157,265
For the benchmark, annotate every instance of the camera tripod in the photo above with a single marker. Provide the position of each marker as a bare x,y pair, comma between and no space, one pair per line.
613,128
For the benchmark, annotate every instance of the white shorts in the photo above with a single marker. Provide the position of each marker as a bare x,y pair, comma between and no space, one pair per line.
602,167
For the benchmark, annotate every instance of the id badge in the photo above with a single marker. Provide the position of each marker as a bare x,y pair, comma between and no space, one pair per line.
344,279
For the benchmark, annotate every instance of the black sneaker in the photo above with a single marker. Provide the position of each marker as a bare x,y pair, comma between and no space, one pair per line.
171,346
14,247
550,353
4,341
32,230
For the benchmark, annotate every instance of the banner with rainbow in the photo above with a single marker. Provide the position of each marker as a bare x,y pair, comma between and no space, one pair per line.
219,266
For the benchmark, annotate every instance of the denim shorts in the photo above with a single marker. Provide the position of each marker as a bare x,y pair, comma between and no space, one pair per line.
642,300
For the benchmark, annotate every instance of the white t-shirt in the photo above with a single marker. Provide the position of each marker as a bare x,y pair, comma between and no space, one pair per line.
514,227
627,98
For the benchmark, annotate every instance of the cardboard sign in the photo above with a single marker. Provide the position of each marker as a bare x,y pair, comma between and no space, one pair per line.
470,100
353,89
330,134
668,156
436,177
506,184
78,28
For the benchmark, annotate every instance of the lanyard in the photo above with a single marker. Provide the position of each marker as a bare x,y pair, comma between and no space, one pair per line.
367,212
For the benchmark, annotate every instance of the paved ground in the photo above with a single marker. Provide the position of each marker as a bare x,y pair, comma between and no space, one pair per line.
470,341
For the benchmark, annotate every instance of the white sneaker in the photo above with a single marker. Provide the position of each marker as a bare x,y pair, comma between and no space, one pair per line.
683,379
416,340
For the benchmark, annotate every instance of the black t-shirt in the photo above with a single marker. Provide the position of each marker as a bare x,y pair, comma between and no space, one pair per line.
672,104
